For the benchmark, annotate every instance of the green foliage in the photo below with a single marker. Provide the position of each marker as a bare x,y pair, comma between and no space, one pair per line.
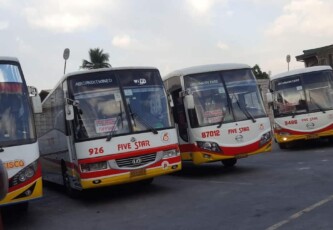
98,59
258,73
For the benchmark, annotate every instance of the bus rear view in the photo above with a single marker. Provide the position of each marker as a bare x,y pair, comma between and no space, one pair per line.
219,113
302,102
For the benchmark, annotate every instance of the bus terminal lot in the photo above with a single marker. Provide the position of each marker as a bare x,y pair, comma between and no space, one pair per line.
283,189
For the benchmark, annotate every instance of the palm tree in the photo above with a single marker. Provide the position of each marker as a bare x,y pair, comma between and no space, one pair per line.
98,59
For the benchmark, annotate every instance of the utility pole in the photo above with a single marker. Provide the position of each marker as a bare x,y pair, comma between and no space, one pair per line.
288,60
66,56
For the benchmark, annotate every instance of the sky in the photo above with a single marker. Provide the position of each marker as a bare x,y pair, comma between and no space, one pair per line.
166,34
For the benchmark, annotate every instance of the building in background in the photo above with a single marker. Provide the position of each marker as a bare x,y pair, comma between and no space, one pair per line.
317,56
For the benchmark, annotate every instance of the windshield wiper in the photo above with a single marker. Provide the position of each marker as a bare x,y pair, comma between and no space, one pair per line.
133,115
317,105
223,116
110,135
244,110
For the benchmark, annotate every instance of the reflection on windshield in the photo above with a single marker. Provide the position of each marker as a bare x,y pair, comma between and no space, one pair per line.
148,107
98,112
112,103
15,117
310,92
225,96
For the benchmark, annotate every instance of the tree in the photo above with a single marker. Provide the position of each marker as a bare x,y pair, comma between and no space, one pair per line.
258,73
98,59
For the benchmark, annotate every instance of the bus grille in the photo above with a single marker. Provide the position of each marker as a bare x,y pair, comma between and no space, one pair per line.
133,162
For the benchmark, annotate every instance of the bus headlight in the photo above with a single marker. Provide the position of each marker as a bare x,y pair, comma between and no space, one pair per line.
170,153
24,174
93,166
211,146
266,137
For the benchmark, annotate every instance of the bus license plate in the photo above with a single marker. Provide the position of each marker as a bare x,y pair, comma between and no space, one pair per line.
312,136
138,172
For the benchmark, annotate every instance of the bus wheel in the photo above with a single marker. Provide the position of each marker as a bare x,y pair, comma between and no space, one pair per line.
229,162
22,207
147,181
72,193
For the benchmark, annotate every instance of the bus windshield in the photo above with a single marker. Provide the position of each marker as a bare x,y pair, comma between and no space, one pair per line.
16,124
100,108
102,111
308,92
146,99
225,96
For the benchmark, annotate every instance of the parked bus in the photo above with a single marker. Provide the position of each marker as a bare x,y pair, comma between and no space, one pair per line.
105,127
302,102
18,140
219,113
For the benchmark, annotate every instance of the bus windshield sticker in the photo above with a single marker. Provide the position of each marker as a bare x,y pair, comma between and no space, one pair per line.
128,92
105,125
117,96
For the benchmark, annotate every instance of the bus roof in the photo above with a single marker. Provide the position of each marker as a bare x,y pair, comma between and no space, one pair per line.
4,58
300,71
206,68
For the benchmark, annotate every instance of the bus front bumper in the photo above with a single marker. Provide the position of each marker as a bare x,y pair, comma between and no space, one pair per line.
131,176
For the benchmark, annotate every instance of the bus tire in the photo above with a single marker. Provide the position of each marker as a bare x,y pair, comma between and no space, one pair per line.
22,207
71,192
147,182
229,162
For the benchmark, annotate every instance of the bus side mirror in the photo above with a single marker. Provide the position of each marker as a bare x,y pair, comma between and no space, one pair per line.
269,97
69,112
37,104
35,100
3,181
189,101
170,100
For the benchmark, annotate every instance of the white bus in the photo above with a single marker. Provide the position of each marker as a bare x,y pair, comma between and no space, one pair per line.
18,140
302,102
219,113
105,127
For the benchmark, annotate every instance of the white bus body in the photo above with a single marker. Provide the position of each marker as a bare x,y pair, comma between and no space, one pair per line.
105,127
219,113
18,140
302,103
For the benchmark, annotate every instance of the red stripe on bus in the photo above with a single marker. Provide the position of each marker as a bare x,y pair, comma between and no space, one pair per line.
295,132
225,150
127,154
109,172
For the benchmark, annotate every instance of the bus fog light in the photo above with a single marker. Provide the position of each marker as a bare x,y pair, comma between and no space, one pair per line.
28,192
206,156
94,166
97,181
